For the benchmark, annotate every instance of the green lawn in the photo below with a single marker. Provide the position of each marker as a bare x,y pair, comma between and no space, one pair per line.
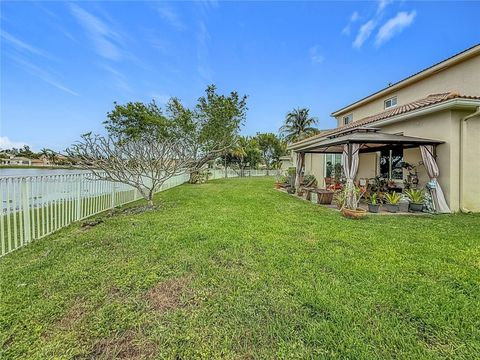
236,269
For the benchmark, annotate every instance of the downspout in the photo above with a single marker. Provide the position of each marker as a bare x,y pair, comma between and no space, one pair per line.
463,129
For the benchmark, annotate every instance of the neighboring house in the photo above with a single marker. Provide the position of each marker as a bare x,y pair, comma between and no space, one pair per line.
17,160
438,107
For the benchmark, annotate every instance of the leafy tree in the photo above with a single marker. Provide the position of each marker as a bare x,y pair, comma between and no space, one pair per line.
136,119
245,153
272,148
26,152
211,128
298,125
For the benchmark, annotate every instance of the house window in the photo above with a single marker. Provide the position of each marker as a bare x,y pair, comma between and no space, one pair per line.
390,102
330,161
347,119
391,164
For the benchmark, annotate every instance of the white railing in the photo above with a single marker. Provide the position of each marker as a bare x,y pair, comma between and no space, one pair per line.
220,173
33,207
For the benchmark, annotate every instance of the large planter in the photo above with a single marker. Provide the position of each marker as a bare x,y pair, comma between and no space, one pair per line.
324,197
416,207
373,208
354,214
392,208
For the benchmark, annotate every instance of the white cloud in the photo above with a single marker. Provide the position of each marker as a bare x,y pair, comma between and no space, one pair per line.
353,18
315,57
394,26
103,37
119,79
42,74
171,16
364,33
382,4
22,45
203,66
6,143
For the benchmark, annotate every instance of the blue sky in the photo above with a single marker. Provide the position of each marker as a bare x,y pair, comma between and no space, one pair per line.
63,64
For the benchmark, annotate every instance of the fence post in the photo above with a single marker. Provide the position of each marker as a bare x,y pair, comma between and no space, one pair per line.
79,199
112,205
2,225
26,210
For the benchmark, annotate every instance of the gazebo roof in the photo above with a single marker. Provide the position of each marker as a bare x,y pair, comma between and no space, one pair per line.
370,140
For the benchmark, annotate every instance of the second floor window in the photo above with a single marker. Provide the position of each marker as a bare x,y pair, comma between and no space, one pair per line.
347,119
390,102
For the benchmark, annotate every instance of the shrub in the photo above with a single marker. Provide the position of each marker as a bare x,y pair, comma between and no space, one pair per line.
393,198
415,196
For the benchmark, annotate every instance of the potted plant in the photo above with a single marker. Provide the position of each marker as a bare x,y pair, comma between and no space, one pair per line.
416,199
392,201
350,207
374,203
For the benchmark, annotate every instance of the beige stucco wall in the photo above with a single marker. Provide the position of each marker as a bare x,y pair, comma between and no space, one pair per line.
444,125
471,183
463,78
314,165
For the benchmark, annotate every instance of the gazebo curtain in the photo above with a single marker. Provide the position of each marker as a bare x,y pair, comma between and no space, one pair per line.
432,170
350,167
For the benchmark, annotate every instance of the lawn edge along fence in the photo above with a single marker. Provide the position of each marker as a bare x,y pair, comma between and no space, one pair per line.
33,207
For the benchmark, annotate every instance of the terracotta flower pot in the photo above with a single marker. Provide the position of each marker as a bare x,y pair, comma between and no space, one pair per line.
354,214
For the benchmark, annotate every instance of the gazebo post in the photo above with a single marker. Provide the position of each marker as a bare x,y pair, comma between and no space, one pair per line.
299,167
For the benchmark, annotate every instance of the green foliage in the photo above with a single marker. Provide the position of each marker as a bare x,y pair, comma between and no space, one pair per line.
135,119
244,153
374,199
272,148
415,196
258,274
393,198
298,125
210,128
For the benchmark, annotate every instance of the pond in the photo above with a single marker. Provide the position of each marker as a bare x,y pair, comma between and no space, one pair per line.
37,171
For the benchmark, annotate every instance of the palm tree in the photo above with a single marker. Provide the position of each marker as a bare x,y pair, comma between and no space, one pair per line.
298,125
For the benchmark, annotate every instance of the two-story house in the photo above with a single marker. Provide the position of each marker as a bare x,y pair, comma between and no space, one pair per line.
439,106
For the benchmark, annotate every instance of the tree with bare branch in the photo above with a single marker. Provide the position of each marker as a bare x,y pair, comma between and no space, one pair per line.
144,163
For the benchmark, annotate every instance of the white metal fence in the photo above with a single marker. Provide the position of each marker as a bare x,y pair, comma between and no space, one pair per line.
33,207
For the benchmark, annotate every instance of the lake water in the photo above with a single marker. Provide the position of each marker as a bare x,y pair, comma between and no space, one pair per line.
38,172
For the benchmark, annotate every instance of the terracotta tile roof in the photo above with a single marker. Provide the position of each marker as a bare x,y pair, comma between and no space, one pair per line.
397,110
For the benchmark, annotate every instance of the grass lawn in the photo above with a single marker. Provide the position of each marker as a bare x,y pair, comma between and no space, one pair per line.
236,269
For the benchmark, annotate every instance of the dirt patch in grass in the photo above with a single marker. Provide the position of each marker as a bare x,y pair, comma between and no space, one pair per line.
133,210
125,346
168,295
74,315
90,223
